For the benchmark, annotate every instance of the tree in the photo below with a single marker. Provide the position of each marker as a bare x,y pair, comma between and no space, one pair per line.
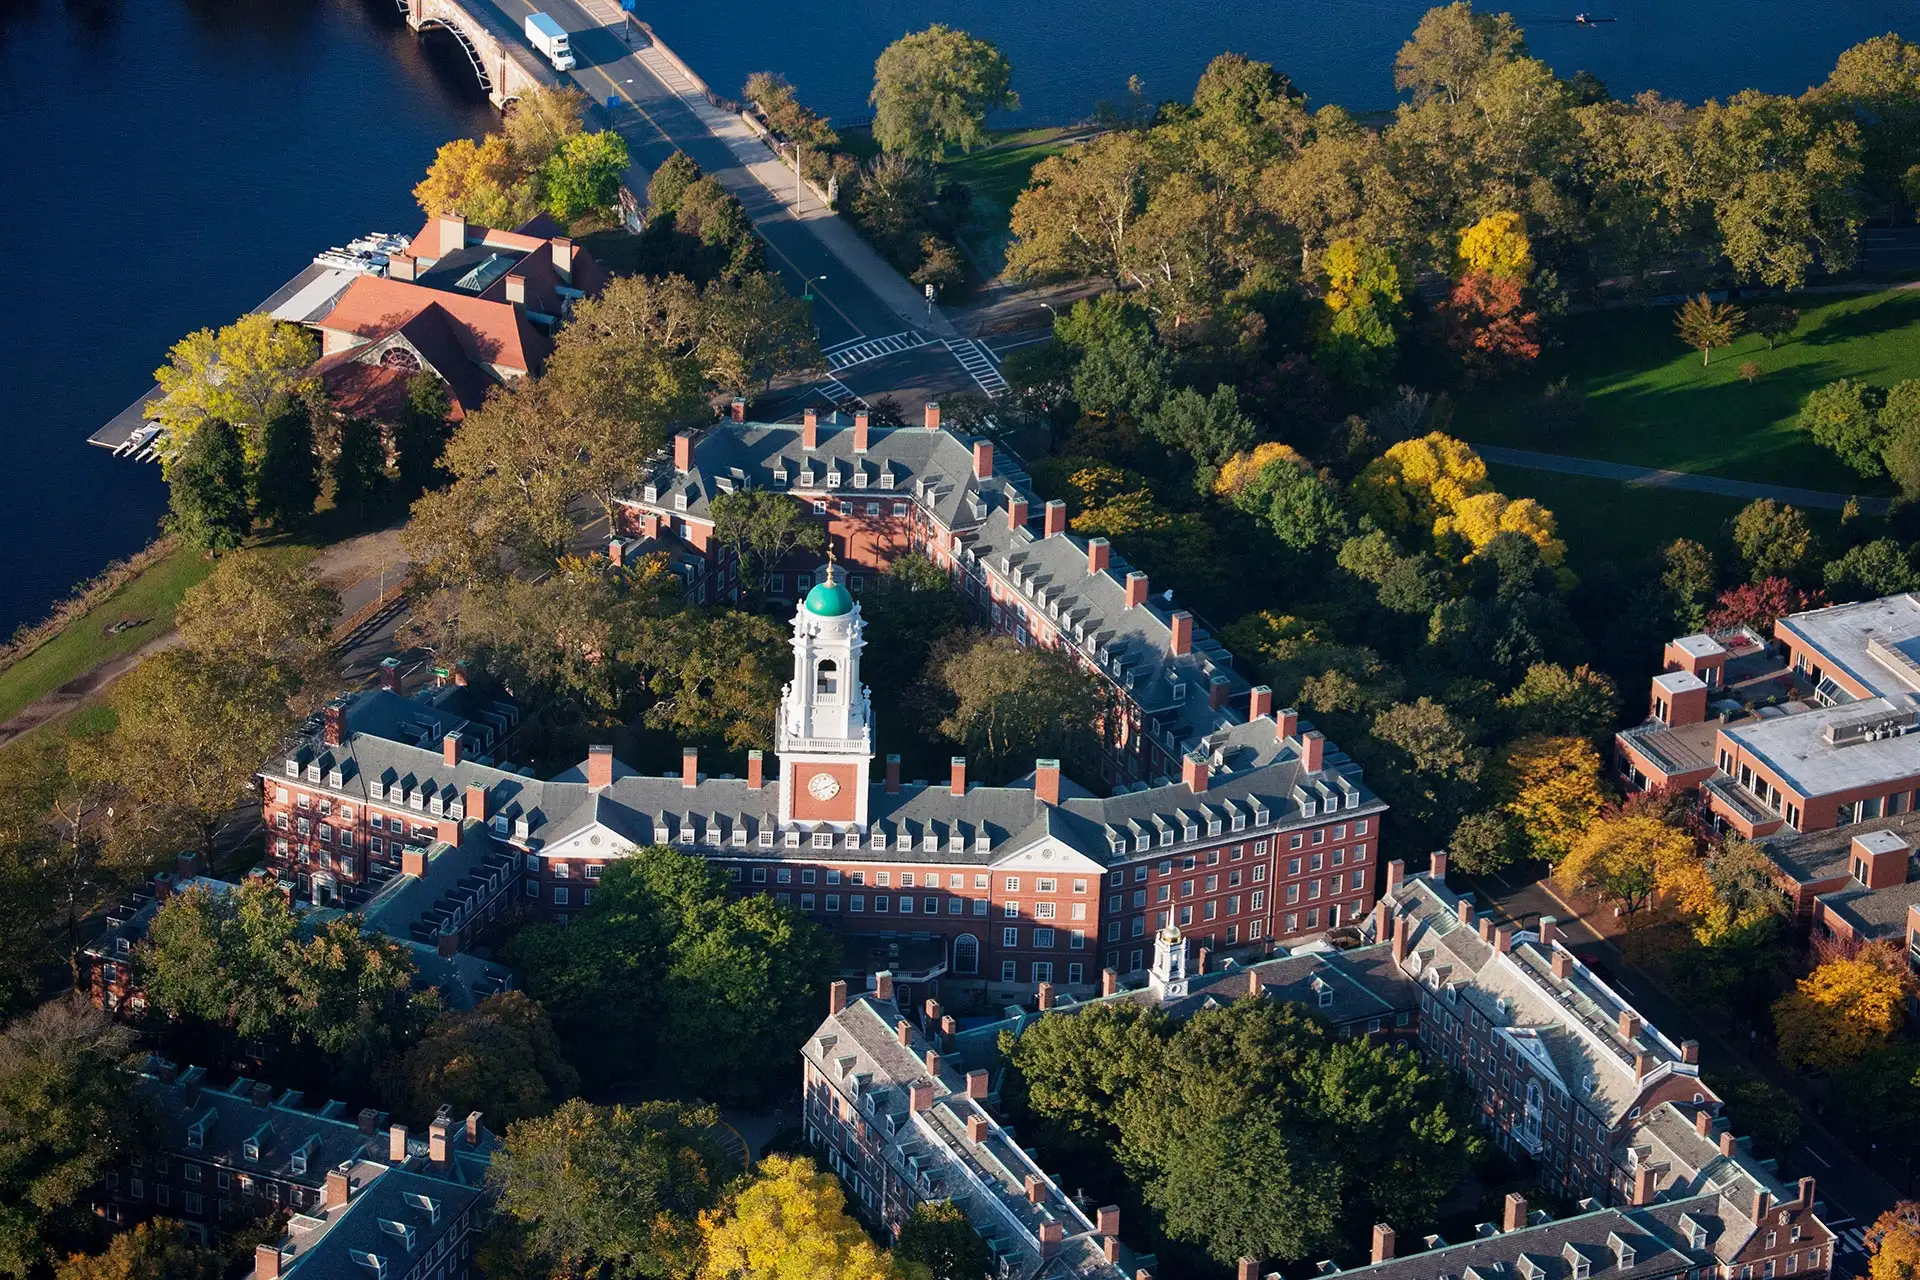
1303,510
1069,1074
540,121
907,610
669,182
938,1236
1554,701
753,330
1486,324
1452,51
1772,321
1497,247
1773,539
482,181
1759,605
157,1249
1004,701
360,468
1209,429
611,1189
711,214
1870,570
1557,793
1844,416
238,375
1894,1239
790,1222
68,1113
583,175
1121,369
1629,859
1876,86
1484,843
715,675
1363,297
287,483
1079,210
762,528
1704,324
1842,1010
932,91
1688,574
207,490
1416,483
500,1057
1428,765
420,437
264,611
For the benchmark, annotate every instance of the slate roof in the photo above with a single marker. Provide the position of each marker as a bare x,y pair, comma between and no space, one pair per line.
1657,1245
296,1143
395,1215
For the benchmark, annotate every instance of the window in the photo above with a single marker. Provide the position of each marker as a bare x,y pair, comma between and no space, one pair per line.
759,875
857,903
931,906
1043,911
806,902
906,904
1010,936
966,954
1012,884
1009,971
1043,939
880,903
1010,910
559,895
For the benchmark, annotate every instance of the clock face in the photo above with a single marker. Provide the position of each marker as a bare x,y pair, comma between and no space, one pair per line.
823,786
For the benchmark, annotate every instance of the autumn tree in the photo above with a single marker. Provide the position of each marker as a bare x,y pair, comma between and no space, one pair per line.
1774,539
932,91
762,528
239,375
1424,757
599,1189
715,675
157,1249
500,1057
1772,321
1417,483
1893,1243
1759,605
1844,416
1628,860
483,181
265,613
790,1221
669,182
1485,842
1704,324
1005,701
1557,792
1844,1008
1359,344
1554,701
540,121
583,174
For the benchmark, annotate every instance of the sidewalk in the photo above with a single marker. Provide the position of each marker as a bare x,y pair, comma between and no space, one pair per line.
1656,478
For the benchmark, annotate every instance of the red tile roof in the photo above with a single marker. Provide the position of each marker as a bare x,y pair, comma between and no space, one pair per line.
490,333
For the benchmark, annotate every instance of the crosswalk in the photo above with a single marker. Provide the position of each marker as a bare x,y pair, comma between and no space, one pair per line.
855,351
979,364
1851,1239
838,392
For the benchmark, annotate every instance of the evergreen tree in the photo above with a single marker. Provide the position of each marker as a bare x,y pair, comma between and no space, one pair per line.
421,435
207,490
288,481
361,467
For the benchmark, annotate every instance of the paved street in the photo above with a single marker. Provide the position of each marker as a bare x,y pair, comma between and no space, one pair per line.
1853,1194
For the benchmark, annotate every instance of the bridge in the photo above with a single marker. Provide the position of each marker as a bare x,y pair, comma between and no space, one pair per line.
502,63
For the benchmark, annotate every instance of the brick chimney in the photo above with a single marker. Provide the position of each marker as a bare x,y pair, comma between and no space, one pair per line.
1382,1242
599,767
689,767
921,1096
1463,910
1382,919
1313,751
1285,724
977,1084
1246,1269
958,783
931,415
893,775
1253,983
1180,624
1193,771
1806,1193
977,1129
1016,512
756,769
933,1063
1106,1220
862,427
903,1032
397,1144
1110,1249
1642,1064
338,1190
516,289
1629,1024
1046,781
982,459
1259,702
1690,1052
1503,939
737,410
563,259
440,1140
683,452
266,1262
1109,982
1043,997
837,997
1486,930
616,553
450,749
1036,1189
1728,1142
1644,1179
1549,929
883,986
810,429
1136,589
1051,1233
1562,965
1703,1122
1400,930
334,721
453,234
1396,871
413,862
1514,1215
1437,866
1099,555
473,1128
402,266
1054,518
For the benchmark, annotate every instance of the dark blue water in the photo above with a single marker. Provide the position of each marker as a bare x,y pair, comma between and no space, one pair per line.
164,164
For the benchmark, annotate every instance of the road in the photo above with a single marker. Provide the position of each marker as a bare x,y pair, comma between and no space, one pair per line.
1853,1194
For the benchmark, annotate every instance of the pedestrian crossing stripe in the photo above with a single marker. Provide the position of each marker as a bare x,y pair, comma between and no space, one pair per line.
978,363
838,393
855,351
1852,1240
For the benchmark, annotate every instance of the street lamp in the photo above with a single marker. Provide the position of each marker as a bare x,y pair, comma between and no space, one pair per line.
806,288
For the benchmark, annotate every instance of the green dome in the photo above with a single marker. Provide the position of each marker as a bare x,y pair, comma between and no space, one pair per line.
829,600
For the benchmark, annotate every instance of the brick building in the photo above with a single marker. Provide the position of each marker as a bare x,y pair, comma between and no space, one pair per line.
880,493
1269,835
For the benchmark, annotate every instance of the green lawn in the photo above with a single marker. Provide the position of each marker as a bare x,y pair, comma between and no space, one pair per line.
149,599
996,174
1649,401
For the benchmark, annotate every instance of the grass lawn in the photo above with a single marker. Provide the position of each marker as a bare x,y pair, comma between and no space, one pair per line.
996,174
1604,521
149,599
1649,400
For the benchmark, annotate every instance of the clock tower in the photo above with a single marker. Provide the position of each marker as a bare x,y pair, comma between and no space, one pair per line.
825,735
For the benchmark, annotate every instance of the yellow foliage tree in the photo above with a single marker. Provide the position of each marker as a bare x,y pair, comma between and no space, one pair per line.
1894,1239
238,374
1239,471
790,1223
1842,1009
1557,792
1359,272
479,181
1484,516
1497,246
1416,482
1629,859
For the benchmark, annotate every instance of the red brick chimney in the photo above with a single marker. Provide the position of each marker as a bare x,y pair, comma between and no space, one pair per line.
1515,1216
338,1190
1043,997
921,1095
977,1084
1503,939
862,425
1218,687
982,459
1099,555
756,769
810,429
893,775
1399,939
1437,866
738,409
1046,781
1204,961
1690,1052
1109,982
837,998
1259,702
932,415
1396,871
1549,930
413,862
1253,983
1055,518
933,1063
1562,965
477,802
883,987
959,779
1806,1193
976,1129
1629,1024
1703,1122
616,553
1246,1269
599,767
1051,1233
1136,589
1643,1185
450,749
440,1141
1036,1189
1106,1220
1463,911
1016,512
397,1144
689,767
1313,751
1180,623
1728,1142
266,1262
1285,724
902,1030
334,721
1193,772
1382,1242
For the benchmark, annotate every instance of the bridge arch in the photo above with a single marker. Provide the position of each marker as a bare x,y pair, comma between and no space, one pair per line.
467,46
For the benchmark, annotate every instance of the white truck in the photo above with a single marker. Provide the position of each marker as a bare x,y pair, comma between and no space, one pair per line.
546,35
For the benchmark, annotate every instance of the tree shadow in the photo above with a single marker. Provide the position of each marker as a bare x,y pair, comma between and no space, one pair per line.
1895,311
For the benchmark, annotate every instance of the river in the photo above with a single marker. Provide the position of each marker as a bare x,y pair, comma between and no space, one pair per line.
164,164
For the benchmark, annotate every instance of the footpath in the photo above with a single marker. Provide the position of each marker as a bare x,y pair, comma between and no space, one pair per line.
1657,478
